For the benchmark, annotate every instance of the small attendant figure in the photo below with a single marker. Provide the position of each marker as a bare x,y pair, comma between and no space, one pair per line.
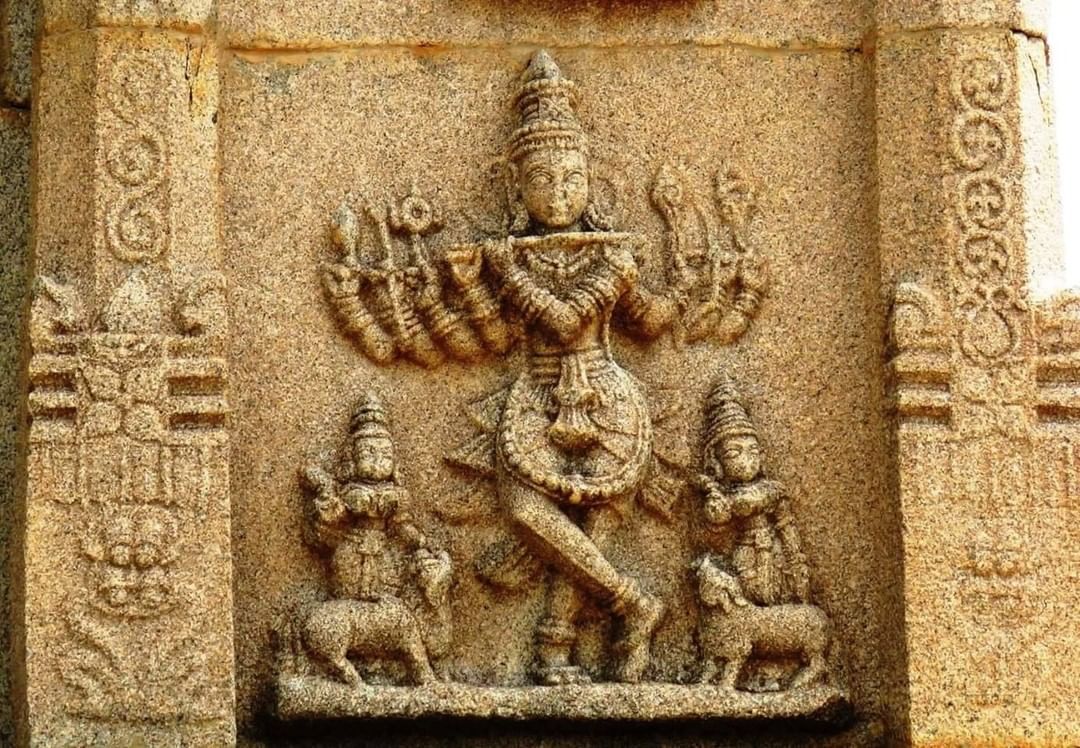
767,559
360,518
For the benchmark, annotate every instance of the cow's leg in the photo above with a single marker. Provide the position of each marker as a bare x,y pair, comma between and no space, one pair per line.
709,670
416,658
344,670
733,667
812,673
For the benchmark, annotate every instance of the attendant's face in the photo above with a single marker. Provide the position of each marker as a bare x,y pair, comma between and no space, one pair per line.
554,185
740,456
373,458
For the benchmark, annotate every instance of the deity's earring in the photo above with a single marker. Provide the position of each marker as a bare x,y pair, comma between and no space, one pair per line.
596,217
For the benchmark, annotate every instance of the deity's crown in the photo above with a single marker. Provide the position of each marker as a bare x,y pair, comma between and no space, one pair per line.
546,102
369,418
725,414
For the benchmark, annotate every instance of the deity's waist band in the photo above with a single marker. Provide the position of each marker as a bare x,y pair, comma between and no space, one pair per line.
547,367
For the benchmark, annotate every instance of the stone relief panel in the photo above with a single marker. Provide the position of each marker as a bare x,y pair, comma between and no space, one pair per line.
520,310
564,453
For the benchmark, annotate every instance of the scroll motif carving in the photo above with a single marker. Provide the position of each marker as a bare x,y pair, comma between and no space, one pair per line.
136,159
982,145
127,439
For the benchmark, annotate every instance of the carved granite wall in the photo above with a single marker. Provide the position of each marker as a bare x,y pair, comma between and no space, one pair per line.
16,33
302,133
677,372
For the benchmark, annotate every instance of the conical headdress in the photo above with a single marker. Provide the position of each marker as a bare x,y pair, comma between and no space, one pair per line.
546,102
725,414
369,418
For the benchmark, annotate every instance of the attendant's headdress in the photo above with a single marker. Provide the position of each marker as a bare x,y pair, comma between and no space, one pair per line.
369,418
726,417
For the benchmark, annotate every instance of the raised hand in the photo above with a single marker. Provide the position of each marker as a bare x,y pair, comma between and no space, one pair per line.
465,262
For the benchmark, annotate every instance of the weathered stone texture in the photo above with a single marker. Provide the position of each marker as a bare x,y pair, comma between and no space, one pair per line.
1028,16
17,21
707,364
985,398
480,23
178,15
636,122
14,277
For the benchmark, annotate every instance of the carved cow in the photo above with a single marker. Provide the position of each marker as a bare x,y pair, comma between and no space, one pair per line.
733,629
383,629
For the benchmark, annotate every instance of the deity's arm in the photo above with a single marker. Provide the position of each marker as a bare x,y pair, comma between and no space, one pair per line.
644,313
482,306
750,289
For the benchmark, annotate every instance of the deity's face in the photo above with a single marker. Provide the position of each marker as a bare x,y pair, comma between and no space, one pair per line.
373,458
554,184
740,457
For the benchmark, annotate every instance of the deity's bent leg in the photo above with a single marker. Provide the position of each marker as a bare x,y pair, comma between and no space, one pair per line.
556,634
571,551
559,541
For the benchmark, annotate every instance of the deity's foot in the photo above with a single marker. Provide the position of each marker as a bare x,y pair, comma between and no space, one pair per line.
563,675
640,621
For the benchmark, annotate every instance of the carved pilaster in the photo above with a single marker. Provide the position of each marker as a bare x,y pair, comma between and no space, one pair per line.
128,600
985,422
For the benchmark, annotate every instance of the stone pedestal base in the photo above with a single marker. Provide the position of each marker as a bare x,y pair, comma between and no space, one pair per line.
309,697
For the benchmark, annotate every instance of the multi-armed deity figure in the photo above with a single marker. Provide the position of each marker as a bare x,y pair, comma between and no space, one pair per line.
571,443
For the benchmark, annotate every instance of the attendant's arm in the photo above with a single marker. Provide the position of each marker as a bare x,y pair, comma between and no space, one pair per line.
797,569
717,502
758,496
400,524
329,508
